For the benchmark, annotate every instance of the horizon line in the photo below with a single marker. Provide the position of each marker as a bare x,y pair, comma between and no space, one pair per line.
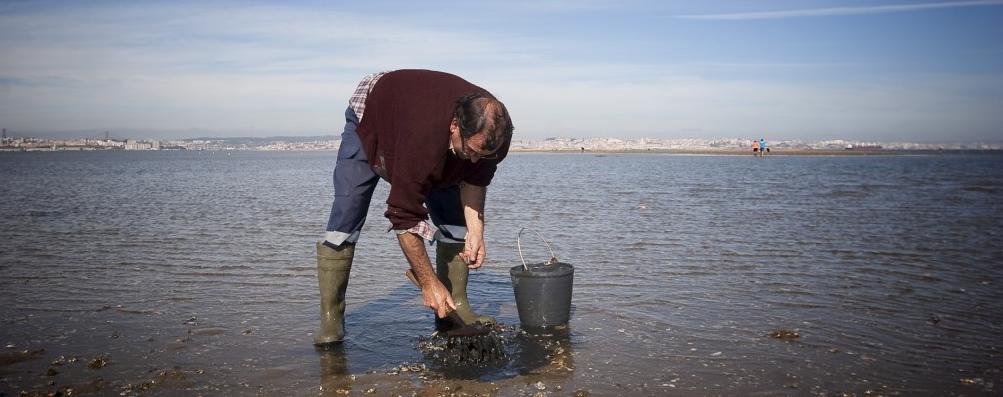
336,136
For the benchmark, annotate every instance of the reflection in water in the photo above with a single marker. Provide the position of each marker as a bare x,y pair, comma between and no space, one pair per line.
545,353
334,374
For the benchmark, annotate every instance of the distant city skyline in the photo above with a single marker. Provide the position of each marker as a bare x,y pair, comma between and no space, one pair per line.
573,144
882,71
993,144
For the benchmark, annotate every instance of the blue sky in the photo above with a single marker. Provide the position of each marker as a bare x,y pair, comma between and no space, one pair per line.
883,70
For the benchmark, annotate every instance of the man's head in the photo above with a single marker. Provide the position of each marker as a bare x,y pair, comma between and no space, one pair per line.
483,123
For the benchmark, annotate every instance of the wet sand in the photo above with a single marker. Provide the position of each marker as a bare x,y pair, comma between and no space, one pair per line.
532,364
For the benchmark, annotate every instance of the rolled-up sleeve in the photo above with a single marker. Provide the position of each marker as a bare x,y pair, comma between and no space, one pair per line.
405,205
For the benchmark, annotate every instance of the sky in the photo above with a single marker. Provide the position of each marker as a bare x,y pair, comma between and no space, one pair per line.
881,70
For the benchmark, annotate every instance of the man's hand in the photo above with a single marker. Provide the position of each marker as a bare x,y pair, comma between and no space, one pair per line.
436,296
472,198
473,251
433,293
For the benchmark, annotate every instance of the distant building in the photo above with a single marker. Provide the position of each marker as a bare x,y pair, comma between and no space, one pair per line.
132,144
863,147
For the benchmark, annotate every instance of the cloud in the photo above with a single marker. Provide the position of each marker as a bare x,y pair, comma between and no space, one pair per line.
245,40
680,106
840,11
229,69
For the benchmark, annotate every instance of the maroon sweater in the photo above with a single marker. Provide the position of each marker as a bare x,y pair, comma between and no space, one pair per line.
405,133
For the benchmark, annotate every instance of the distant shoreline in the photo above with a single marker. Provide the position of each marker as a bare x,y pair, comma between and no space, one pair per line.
691,152
773,152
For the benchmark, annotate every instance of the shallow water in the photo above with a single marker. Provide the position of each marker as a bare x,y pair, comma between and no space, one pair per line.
194,272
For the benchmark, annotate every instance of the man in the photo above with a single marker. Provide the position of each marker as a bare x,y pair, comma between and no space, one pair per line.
438,140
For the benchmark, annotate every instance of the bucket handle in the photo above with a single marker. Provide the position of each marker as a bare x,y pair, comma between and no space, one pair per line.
518,243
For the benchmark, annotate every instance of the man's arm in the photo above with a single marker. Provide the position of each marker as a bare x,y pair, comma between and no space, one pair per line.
434,294
473,198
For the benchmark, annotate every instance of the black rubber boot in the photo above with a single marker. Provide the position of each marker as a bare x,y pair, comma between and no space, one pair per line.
333,266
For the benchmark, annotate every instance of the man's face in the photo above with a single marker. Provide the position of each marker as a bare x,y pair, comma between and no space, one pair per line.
470,149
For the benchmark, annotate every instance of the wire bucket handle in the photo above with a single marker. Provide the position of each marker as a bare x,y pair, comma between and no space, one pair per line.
518,243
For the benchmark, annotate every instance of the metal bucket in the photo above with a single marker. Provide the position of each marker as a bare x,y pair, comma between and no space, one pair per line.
542,290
